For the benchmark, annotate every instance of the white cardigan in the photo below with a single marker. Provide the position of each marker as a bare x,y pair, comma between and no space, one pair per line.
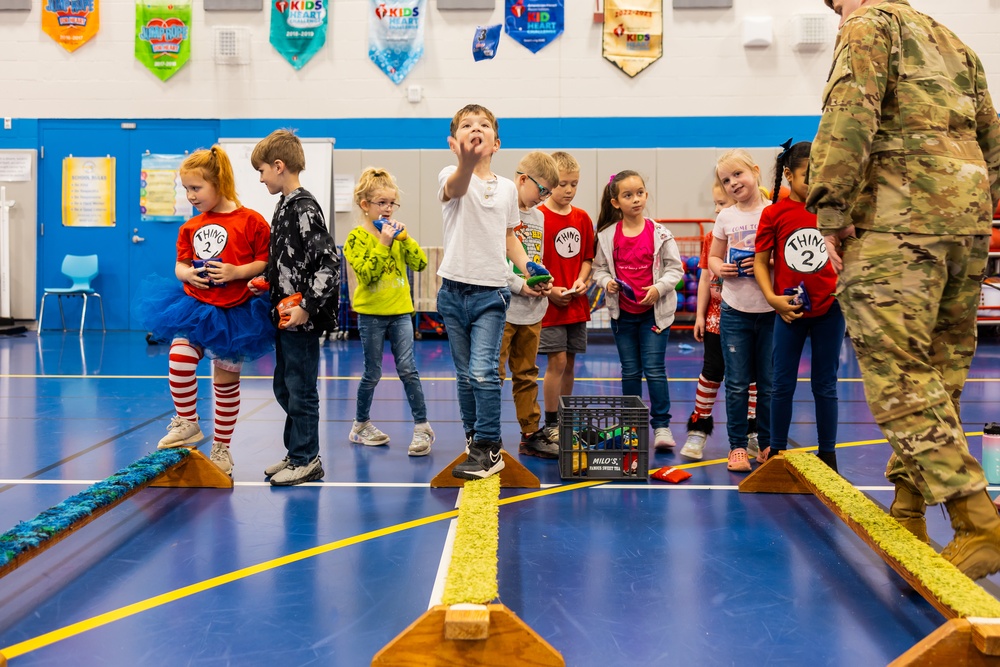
667,272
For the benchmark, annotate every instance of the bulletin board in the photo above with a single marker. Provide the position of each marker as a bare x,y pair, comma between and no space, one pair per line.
317,177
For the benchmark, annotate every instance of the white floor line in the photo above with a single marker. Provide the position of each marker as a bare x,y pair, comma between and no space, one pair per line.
437,590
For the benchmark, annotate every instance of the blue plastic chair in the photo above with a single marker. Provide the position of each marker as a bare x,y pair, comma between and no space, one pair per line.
81,269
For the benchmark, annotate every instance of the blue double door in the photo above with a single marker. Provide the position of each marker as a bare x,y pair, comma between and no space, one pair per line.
130,250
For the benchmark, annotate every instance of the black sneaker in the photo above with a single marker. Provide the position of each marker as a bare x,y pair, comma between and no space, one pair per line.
469,437
485,459
538,445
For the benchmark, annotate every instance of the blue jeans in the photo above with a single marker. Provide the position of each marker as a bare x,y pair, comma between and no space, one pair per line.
827,335
747,341
642,352
474,317
374,329
296,372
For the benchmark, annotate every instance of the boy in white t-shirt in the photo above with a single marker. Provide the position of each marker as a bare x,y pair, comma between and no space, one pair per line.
480,213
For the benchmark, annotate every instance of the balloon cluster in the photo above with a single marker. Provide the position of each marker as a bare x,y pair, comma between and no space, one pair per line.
687,287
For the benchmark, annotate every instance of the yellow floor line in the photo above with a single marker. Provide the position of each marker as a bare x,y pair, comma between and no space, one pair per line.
106,618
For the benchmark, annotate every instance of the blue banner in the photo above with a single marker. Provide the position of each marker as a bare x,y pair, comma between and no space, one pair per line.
534,24
298,29
396,36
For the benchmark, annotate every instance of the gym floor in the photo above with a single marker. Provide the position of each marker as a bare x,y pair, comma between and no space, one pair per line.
636,573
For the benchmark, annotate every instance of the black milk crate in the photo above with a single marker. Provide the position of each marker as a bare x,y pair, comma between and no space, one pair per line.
603,437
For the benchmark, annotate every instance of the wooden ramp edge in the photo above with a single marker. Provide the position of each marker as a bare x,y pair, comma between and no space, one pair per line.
193,471
513,476
959,642
509,641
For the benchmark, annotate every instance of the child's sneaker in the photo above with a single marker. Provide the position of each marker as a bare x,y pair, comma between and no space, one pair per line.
551,433
275,468
365,433
221,457
663,439
753,444
538,445
485,459
738,461
694,446
180,432
423,438
292,474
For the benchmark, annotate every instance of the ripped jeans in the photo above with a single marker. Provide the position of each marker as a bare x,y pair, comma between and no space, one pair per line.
747,342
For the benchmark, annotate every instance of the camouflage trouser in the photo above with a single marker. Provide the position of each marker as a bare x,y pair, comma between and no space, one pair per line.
910,302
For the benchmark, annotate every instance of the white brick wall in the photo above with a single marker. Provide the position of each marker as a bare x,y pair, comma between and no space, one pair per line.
705,71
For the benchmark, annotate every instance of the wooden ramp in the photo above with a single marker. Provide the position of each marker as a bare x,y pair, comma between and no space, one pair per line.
972,634
193,470
513,476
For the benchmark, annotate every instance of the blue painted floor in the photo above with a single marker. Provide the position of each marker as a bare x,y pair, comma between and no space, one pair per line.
616,574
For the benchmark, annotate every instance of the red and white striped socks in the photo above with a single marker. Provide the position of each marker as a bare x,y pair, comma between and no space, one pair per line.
227,409
182,373
704,397
752,406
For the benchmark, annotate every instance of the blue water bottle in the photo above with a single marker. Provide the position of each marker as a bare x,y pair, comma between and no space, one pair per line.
991,452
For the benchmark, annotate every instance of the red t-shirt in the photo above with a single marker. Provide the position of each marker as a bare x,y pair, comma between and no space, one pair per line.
799,253
240,237
568,243
633,256
714,313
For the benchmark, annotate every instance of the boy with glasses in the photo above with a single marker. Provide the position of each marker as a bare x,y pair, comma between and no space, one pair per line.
537,174
480,213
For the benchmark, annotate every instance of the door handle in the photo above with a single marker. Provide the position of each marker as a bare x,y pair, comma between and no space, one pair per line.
137,239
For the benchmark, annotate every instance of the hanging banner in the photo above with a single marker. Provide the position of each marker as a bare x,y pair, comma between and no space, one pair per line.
163,35
71,22
633,33
396,36
298,29
88,192
161,195
534,24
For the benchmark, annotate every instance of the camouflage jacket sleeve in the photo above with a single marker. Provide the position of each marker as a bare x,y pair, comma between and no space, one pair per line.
852,104
988,131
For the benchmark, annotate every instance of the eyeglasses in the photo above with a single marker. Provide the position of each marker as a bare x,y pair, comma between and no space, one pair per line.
543,191
385,204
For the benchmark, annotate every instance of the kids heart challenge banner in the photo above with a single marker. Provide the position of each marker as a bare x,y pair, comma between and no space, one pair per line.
633,33
534,25
71,23
298,29
163,36
396,36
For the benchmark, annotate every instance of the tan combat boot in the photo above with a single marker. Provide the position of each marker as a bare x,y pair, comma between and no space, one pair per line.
976,547
908,509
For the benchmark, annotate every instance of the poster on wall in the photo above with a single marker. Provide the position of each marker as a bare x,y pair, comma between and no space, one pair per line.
298,29
163,35
71,23
88,192
633,33
396,36
161,195
534,24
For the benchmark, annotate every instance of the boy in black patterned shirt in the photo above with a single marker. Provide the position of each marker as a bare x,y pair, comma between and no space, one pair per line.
303,261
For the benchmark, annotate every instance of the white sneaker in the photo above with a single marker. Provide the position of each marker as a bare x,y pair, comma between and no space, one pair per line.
180,432
367,434
753,445
694,446
221,457
423,438
292,474
275,468
663,439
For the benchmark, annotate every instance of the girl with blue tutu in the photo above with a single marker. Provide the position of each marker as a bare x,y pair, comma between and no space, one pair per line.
209,310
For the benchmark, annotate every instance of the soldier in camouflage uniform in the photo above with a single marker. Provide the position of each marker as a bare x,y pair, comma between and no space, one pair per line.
904,179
